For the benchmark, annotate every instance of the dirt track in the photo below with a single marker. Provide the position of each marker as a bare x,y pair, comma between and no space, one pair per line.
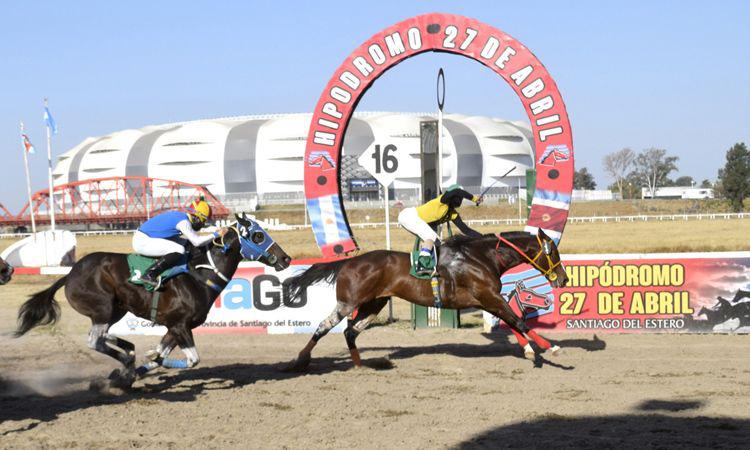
423,389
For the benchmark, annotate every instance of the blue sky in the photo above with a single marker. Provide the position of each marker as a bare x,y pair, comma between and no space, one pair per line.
638,74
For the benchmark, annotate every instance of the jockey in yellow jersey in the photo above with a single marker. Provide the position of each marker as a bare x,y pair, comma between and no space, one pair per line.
423,221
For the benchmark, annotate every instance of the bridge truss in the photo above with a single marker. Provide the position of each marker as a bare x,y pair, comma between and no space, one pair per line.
108,201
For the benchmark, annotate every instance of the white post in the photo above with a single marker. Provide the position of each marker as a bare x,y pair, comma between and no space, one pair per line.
519,199
387,220
49,176
28,185
441,103
388,242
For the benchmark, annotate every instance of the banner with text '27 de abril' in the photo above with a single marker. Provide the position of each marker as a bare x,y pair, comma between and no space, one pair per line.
698,292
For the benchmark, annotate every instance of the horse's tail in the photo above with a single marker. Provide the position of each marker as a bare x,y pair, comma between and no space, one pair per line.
40,309
327,271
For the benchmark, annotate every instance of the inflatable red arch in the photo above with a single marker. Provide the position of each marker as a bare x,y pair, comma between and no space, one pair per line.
440,33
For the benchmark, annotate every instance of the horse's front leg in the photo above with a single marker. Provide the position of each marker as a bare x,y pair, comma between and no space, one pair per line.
495,304
156,356
184,338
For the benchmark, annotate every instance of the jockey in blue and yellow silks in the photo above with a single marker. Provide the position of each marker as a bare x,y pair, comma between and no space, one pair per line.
165,236
423,221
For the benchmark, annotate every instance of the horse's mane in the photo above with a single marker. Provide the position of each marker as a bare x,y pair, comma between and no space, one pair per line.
461,240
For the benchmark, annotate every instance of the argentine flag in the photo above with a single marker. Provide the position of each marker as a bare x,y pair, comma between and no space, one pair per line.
49,120
27,144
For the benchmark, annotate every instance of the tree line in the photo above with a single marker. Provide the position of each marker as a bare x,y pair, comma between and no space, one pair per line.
650,169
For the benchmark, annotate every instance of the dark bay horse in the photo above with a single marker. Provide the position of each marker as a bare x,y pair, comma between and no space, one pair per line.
469,268
6,271
98,287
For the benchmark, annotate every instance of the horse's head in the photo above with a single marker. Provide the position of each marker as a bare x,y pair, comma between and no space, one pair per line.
257,245
541,252
550,265
6,271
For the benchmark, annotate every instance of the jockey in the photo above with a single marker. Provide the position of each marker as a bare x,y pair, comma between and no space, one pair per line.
423,221
165,235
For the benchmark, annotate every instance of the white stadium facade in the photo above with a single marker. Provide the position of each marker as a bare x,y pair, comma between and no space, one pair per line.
261,157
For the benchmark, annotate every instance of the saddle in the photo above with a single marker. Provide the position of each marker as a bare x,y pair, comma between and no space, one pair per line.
139,264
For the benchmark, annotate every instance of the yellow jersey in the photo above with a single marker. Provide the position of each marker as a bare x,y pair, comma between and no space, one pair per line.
435,211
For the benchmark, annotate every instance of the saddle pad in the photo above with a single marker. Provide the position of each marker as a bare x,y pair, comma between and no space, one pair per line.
139,264
414,255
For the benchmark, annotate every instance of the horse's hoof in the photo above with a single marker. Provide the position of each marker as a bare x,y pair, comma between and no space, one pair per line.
99,385
555,350
121,380
528,352
152,355
298,365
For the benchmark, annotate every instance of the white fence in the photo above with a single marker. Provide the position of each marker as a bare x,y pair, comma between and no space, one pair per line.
509,221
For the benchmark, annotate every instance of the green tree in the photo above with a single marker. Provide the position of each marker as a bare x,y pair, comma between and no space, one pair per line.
582,179
735,176
705,184
685,180
652,168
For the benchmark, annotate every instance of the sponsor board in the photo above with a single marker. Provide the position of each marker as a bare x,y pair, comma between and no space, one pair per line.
692,292
255,301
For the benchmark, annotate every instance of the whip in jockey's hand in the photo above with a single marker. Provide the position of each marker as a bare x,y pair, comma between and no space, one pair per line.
166,234
424,220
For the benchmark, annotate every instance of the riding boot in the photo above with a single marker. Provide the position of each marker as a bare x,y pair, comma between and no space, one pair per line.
152,276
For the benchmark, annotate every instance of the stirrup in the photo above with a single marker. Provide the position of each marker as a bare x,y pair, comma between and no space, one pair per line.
153,284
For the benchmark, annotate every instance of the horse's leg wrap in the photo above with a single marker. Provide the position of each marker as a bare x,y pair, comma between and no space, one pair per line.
106,344
331,321
540,341
191,360
350,334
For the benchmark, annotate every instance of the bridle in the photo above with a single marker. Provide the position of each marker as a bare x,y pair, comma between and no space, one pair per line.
257,253
549,273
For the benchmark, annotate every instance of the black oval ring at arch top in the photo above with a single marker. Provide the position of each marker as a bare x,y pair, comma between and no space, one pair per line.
441,82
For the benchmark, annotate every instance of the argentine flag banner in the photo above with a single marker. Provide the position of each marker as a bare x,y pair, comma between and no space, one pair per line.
50,121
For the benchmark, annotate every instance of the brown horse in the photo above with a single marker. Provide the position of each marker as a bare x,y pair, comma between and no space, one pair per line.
6,271
469,269
97,286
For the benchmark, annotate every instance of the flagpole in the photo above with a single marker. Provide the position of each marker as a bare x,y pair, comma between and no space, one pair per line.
49,175
28,185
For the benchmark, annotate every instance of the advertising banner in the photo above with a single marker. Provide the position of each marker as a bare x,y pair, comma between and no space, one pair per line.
691,292
255,301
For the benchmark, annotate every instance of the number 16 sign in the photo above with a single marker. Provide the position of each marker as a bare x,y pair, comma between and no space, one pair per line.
382,162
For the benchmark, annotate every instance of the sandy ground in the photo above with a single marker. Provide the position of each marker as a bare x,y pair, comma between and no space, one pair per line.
420,389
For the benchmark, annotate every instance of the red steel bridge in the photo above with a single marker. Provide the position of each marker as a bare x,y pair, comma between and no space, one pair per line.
115,200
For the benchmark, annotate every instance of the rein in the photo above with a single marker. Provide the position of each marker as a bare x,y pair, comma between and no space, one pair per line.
212,265
549,274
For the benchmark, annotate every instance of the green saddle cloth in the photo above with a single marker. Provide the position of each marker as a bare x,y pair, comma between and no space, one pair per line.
414,256
138,264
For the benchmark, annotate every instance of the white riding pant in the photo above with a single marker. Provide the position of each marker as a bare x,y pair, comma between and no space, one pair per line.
153,247
409,219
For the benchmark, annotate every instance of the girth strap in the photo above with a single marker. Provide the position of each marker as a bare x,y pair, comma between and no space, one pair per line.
435,283
154,306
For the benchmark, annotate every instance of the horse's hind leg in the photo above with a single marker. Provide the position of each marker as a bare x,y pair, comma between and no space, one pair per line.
303,360
364,316
114,347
